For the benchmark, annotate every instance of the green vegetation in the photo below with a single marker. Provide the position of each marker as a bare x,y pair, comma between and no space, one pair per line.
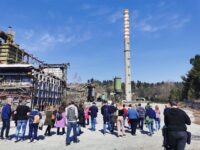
191,82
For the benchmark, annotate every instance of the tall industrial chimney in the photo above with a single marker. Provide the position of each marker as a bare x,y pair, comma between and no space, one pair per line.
127,56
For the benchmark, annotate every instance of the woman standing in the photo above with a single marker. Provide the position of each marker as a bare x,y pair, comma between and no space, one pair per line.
49,120
120,124
86,113
157,119
60,120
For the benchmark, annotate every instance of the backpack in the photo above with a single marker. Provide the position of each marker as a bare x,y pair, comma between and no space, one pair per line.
141,112
71,114
105,112
36,119
58,116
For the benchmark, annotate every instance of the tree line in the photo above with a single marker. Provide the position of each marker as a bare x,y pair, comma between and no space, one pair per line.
189,88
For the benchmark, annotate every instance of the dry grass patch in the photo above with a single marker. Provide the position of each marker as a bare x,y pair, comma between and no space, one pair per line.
196,114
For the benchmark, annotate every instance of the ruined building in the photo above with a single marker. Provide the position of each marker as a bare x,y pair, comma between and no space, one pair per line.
24,77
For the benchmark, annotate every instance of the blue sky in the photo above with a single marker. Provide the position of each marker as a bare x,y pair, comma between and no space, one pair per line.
89,34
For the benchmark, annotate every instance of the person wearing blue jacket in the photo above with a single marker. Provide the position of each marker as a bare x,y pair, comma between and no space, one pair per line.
5,116
150,116
133,118
34,120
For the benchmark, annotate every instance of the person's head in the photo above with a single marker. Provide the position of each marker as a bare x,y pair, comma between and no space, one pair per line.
93,103
80,105
133,106
148,104
139,104
173,103
36,107
113,103
130,105
9,100
72,103
124,105
105,102
156,107
23,102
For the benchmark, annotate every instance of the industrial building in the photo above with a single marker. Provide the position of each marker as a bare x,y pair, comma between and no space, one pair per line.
24,77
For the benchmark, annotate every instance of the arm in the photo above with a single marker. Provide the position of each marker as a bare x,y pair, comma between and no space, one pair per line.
76,112
187,119
66,112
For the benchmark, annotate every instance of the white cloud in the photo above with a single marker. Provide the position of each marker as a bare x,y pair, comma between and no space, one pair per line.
45,41
162,21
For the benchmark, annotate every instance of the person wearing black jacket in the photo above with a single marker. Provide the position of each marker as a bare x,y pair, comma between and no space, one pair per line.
112,117
175,122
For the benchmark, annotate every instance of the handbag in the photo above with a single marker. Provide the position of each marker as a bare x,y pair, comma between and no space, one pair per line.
40,124
189,135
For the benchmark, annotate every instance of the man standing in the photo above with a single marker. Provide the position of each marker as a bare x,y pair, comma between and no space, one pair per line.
141,112
133,117
105,113
150,117
22,113
72,115
175,121
93,110
112,116
5,116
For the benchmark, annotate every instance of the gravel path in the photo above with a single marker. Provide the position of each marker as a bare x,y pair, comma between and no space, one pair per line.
97,141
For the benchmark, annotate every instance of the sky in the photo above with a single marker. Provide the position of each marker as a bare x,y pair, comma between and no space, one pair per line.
89,35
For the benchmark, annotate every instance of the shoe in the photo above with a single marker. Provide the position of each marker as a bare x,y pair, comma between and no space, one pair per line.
67,144
17,141
77,141
2,138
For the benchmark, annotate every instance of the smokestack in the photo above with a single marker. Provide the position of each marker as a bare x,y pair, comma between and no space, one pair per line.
127,56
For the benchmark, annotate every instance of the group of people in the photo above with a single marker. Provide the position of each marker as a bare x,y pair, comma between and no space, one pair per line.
133,116
114,116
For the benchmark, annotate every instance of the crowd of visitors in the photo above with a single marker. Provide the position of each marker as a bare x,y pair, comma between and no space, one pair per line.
116,117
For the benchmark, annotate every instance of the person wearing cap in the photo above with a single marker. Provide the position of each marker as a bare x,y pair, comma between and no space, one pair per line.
175,121
93,110
5,116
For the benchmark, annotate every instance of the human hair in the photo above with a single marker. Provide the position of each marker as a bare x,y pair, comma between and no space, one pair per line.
156,107
130,105
139,104
124,105
173,103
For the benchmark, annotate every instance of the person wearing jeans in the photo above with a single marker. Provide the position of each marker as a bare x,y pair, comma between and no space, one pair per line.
21,124
93,124
34,120
70,126
157,119
93,110
5,116
133,117
141,113
22,113
72,115
150,116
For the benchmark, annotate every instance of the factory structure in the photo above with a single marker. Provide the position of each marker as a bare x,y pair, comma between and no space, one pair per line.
24,77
